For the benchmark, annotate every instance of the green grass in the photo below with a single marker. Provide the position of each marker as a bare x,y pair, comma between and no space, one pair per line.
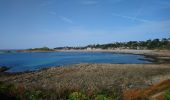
167,95
77,96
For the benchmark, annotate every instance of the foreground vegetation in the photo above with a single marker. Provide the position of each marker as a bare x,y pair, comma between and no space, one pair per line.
19,92
158,91
167,94
87,82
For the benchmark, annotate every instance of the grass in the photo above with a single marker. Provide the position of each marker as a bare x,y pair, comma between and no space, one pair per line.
167,95
140,94
87,81
19,92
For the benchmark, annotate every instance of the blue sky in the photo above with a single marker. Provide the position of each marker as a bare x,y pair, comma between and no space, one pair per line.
52,23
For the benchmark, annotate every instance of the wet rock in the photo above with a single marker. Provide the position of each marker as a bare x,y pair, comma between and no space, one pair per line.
3,68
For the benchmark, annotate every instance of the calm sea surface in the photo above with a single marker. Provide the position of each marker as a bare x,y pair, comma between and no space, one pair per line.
33,61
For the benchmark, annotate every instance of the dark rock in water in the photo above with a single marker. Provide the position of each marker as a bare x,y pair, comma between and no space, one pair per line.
3,68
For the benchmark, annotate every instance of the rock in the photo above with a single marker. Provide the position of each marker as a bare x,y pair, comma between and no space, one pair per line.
3,68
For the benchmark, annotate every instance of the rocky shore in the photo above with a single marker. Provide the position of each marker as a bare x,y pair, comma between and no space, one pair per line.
129,75
93,77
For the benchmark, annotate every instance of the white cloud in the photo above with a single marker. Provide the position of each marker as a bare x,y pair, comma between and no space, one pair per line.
89,2
130,18
46,3
66,19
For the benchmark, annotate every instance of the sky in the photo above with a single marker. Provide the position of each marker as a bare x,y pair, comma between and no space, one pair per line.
55,23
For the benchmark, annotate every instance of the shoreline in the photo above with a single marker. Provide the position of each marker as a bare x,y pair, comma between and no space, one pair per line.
87,67
155,56
125,51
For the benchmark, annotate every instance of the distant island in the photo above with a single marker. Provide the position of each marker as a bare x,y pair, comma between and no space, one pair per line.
43,49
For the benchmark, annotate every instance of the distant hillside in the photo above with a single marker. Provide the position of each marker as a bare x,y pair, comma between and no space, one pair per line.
149,44
140,45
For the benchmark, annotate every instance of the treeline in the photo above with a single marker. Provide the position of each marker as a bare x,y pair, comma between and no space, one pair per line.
149,44
69,48
40,49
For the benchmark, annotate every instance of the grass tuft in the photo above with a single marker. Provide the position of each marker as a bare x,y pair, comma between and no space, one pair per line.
167,95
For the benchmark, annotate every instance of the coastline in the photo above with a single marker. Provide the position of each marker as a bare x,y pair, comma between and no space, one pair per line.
97,77
125,51
156,56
